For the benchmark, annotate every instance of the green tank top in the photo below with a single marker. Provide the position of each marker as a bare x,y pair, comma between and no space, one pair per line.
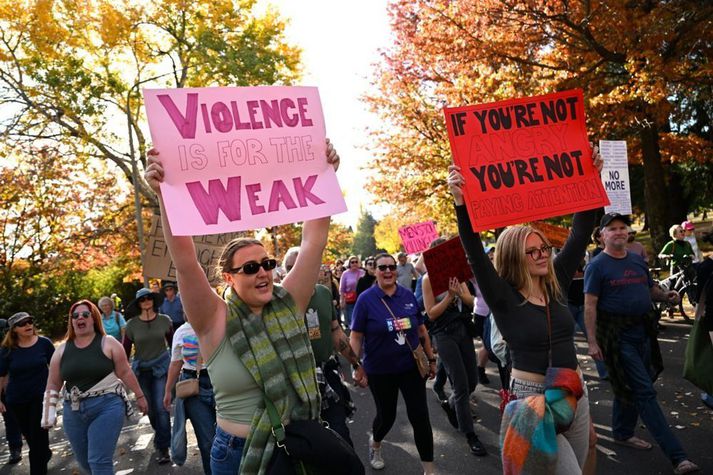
318,319
237,395
84,367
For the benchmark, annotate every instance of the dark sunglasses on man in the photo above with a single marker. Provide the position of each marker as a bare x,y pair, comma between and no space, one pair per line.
252,267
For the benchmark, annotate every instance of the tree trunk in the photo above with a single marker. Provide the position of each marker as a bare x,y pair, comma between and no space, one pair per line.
678,202
655,190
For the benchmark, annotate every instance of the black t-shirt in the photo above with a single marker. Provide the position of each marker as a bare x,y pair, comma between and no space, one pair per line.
28,369
522,323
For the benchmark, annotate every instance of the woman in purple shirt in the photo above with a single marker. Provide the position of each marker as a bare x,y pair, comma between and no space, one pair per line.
347,288
387,324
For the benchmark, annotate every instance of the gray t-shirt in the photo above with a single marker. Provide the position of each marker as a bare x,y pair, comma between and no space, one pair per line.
404,274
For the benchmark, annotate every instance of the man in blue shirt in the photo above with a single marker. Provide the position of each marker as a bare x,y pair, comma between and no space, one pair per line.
172,305
618,292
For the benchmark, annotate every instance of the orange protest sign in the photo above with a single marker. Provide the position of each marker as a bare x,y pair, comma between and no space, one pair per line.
557,235
524,159
445,261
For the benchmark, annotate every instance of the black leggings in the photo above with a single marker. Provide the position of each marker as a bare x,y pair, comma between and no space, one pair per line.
29,416
385,390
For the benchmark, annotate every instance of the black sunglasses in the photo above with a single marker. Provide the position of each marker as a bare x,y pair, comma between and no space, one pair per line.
24,323
253,267
85,314
144,298
383,267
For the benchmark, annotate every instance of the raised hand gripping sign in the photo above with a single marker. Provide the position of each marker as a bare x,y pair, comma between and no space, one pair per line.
445,261
417,237
524,159
241,158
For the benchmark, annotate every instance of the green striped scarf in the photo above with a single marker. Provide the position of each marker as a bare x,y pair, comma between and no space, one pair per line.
275,349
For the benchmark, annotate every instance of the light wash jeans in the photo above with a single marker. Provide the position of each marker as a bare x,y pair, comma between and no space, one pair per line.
153,388
226,453
93,431
573,445
200,410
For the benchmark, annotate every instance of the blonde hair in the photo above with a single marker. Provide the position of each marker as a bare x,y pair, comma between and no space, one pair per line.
672,230
96,318
511,264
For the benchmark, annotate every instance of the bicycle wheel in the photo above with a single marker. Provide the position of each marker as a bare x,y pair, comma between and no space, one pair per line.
686,306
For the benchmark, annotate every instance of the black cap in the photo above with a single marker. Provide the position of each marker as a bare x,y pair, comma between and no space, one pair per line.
609,217
169,285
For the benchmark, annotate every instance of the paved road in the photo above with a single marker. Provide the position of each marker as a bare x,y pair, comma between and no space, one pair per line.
692,422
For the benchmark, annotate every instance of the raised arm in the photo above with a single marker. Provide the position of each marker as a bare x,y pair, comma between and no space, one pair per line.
204,306
492,286
302,278
572,253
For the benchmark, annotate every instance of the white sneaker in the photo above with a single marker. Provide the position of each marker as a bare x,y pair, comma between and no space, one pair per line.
375,460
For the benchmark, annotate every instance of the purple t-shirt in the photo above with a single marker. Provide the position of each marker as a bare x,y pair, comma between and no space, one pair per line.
349,280
385,347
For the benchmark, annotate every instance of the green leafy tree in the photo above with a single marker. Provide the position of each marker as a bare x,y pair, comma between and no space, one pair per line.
364,241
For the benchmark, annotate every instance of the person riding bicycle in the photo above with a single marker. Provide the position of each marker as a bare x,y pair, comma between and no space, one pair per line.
678,250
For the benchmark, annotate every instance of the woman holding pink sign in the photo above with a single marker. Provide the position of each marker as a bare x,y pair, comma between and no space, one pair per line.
526,291
254,318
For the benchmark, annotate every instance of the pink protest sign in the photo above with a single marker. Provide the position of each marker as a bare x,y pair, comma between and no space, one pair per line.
417,237
238,158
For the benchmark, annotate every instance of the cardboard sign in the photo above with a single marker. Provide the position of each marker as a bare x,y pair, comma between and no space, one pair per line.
556,235
159,265
615,176
524,159
417,237
241,158
445,261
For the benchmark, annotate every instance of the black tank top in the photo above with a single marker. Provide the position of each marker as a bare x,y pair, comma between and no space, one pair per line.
84,367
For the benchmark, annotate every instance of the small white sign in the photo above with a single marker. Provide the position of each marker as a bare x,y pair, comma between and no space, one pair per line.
615,176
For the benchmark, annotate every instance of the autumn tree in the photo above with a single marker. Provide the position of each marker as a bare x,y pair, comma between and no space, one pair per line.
645,68
339,242
60,221
364,242
71,73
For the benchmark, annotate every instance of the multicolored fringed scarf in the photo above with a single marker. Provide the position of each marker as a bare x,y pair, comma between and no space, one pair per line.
275,349
528,432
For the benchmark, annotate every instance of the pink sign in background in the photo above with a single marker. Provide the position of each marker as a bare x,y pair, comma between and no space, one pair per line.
241,158
417,237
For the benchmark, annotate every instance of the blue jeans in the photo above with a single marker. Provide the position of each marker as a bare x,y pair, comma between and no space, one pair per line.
578,314
348,310
153,388
226,453
635,355
200,410
93,431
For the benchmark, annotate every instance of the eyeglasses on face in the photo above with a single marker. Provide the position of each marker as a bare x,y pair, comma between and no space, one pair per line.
26,322
369,264
383,267
145,298
353,262
85,314
537,253
253,267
